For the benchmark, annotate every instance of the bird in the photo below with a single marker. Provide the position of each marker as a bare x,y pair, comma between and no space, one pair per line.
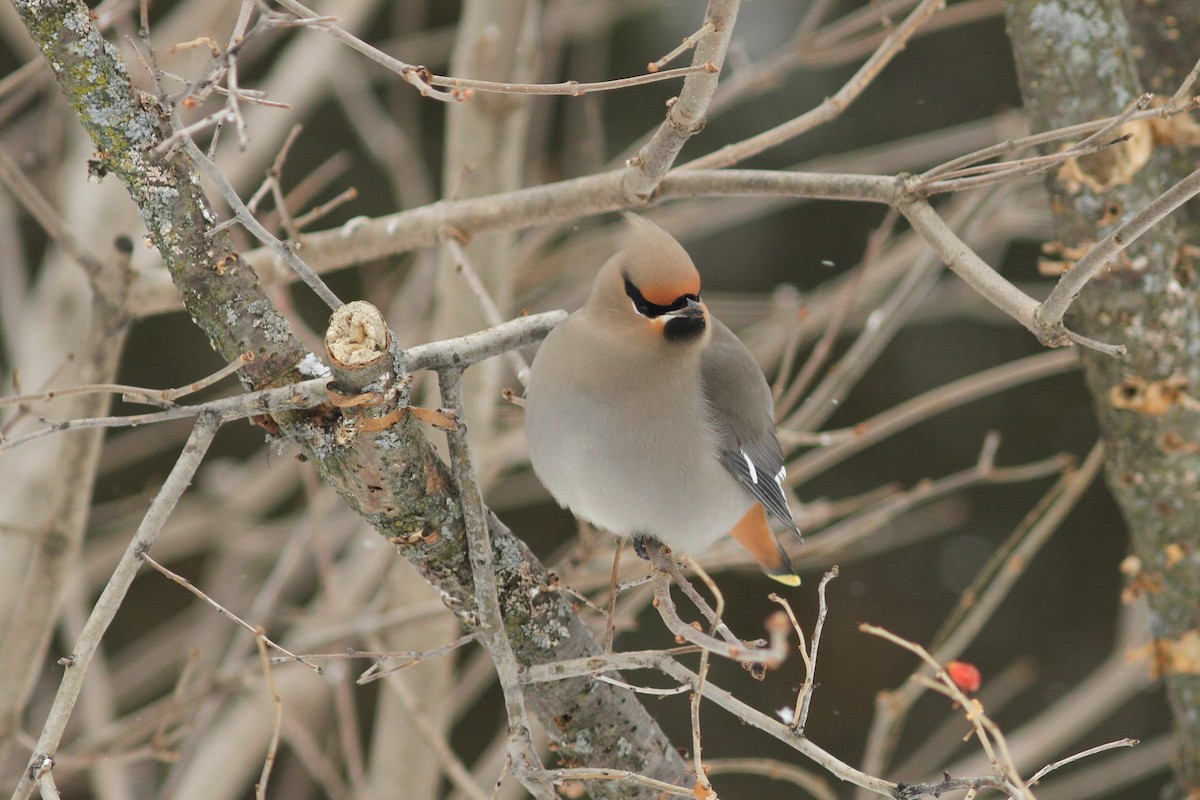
647,417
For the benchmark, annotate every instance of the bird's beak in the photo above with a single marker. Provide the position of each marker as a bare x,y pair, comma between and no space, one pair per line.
694,310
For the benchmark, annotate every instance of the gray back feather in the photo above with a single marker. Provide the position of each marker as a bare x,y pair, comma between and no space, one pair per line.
740,399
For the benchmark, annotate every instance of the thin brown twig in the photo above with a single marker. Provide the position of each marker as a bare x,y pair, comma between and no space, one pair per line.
260,788
408,658
703,788
987,732
159,397
1091,751
832,106
804,698
31,198
434,737
971,177
570,88
685,116
462,350
487,305
198,592
687,44
713,615
1185,87
647,690
610,625
989,174
288,398
664,662
1045,137
824,346
924,406
978,606
985,280
770,656
323,210
811,782
833,542
562,775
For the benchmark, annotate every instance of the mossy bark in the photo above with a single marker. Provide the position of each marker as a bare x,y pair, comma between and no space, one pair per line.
220,291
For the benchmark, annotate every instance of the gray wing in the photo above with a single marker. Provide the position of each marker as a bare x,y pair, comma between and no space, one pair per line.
737,392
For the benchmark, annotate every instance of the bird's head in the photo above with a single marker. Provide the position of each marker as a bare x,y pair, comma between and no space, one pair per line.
651,288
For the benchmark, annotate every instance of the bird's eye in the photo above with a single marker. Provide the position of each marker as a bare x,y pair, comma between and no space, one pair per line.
652,310
643,306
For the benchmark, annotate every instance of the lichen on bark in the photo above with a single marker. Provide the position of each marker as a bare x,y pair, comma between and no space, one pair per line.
1075,62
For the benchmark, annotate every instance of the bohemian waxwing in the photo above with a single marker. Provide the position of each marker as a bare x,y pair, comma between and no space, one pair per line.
648,418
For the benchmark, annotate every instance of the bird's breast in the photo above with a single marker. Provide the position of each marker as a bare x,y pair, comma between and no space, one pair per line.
627,446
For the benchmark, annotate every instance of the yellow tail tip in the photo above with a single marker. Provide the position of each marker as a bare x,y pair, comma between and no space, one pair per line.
788,579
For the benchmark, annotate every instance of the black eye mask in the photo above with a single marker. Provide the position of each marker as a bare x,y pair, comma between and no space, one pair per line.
652,310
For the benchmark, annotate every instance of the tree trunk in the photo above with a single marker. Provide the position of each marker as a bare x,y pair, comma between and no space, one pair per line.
1075,62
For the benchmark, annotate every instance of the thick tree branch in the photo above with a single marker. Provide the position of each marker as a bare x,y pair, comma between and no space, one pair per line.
219,290
685,115
1146,298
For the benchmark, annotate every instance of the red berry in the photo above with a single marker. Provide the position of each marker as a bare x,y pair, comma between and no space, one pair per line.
965,676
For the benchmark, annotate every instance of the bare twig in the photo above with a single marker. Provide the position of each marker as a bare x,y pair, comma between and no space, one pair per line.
27,193
260,788
1091,751
76,664
804,698
809,781
703,788
1185,87
822,349
976,607
610,625
943,398
255,227
408,658
981,175
1045,137
268,401
571,88
463,350
319,212
559,776
451,765
158,397
664,662
191,587
687,44
998,291
491,313
474,347
988,734
831,107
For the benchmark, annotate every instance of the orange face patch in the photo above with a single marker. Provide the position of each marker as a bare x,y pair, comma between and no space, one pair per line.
664,294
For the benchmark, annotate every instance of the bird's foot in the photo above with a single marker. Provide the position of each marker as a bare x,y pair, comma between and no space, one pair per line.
639,546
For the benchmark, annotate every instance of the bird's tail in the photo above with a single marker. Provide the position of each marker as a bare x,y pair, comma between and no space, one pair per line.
753,532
